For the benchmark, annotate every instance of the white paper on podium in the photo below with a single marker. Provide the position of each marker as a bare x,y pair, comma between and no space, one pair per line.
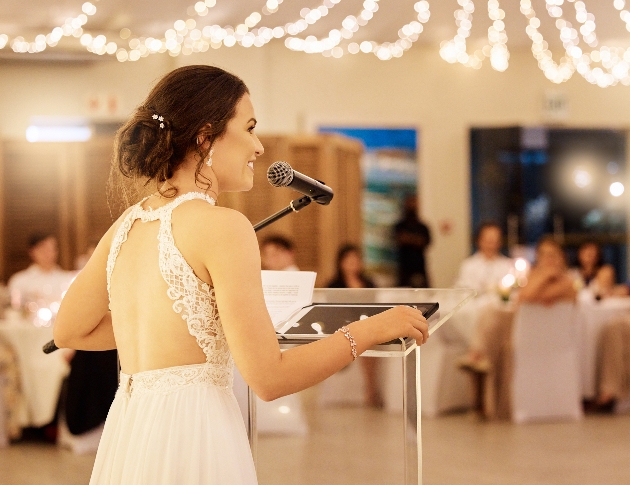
287,292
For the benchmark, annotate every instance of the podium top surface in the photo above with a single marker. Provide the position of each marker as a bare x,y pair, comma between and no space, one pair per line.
449,300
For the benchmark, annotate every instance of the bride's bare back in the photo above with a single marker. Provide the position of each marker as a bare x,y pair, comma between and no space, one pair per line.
156,318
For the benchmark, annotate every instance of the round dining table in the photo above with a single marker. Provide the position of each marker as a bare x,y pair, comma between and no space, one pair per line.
593,316
493,335
41,375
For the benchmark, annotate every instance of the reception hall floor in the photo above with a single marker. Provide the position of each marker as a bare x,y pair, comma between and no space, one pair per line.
362,446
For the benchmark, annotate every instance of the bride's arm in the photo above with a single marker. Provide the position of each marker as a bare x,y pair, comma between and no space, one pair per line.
84,321
231,255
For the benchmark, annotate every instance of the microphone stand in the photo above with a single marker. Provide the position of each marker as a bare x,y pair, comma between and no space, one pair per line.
294,206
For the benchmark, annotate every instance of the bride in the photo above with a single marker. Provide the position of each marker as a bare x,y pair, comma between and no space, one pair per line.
175,286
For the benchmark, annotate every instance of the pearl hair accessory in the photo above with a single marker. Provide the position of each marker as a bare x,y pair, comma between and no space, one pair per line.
209,161
160,119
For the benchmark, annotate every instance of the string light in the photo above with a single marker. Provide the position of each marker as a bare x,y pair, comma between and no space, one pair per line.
614,61
408,34
454,50
329,46
603,66
185,38
555,72
73,26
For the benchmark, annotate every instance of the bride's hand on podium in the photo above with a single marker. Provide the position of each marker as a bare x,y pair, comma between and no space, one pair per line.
398,322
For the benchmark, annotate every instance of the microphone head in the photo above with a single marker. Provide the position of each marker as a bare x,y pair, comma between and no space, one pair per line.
280,174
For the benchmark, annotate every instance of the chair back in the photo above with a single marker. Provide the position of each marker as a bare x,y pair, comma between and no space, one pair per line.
546,378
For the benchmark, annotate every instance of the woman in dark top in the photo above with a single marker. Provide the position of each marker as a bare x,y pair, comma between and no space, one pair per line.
350,269
350,274
592,271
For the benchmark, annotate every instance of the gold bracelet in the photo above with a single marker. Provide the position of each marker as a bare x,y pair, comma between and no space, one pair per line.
353,345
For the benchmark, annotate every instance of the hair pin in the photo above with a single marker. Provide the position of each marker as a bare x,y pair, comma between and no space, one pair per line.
159,118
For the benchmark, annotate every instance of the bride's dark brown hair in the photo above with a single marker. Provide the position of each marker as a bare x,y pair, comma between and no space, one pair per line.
164,128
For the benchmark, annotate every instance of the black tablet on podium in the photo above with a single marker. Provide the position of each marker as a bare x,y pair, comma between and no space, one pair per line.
322,319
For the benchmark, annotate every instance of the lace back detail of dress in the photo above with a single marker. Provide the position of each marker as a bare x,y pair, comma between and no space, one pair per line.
192,298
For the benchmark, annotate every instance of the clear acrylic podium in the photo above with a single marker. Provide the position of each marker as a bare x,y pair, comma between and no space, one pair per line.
408,353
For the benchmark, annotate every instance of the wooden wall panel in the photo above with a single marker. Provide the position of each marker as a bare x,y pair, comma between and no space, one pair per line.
2,215
32,182
61,188
350,193
94,215
317,231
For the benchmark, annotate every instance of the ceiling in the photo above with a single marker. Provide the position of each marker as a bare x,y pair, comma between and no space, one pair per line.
146,18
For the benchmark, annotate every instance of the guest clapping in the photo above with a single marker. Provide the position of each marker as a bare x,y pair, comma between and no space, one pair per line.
549,281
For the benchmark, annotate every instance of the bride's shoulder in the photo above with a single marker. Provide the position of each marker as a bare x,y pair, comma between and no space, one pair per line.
210,221
108,236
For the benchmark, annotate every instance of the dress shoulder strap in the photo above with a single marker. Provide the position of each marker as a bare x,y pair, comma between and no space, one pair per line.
119,238
137,212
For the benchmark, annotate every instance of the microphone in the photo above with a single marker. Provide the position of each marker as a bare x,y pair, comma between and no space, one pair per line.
50,347
280,174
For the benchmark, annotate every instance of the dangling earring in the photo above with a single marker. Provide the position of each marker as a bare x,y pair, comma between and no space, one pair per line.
198,140
209,161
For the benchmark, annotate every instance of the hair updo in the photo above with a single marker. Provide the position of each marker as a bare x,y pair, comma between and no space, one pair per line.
164,129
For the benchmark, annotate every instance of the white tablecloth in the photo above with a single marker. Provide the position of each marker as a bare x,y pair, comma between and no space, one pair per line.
594,315
41,375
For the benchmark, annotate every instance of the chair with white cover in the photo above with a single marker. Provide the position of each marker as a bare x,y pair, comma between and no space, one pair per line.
546,379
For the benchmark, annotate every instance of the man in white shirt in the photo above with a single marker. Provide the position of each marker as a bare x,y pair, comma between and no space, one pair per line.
484,270
43,279
277,254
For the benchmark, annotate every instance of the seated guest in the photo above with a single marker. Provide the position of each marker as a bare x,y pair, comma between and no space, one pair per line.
43,282
93,376
350,275
484,270
549,281
592,272
43,279
489,359
277,254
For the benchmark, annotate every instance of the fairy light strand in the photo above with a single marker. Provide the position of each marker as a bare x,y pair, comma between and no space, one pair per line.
73,26
603,66
455,50
330,45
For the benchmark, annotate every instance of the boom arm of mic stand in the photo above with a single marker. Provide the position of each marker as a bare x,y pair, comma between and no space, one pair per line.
294,206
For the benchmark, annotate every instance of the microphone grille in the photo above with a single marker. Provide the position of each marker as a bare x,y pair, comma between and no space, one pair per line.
280,174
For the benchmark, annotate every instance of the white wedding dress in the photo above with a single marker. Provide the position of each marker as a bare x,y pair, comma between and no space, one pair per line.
178,425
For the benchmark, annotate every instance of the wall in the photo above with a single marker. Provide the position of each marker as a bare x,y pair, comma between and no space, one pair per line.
296,92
